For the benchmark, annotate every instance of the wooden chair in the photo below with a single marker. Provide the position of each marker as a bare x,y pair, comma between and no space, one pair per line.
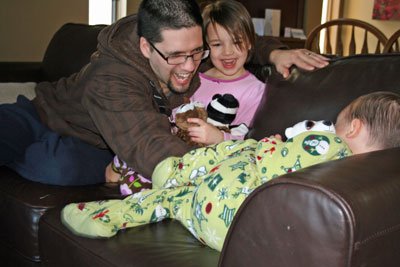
355,33
393,44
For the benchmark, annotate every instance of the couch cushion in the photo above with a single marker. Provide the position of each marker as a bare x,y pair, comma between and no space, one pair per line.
165,244
69,50
321,94
23,203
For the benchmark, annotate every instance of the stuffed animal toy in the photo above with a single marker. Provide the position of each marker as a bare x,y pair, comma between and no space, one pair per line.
309,125
185,111
314,146
221,112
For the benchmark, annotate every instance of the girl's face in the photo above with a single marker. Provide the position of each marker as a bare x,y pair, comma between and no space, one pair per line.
225,53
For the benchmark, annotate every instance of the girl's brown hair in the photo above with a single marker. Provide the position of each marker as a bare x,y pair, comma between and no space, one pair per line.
234,18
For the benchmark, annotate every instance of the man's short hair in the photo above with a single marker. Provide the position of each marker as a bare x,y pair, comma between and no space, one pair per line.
154,16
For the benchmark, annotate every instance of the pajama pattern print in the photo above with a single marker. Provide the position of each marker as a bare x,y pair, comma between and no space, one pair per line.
205,188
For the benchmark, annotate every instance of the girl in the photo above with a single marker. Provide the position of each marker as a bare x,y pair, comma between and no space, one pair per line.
230,35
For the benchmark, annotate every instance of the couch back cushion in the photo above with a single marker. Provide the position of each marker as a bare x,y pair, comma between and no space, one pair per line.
323,93
69,50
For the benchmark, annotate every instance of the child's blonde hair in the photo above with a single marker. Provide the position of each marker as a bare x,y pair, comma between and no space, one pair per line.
380,112
234,18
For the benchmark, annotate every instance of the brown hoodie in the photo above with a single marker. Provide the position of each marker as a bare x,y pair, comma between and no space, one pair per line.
110,102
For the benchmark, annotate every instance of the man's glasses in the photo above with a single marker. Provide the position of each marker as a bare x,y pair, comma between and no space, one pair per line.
180,59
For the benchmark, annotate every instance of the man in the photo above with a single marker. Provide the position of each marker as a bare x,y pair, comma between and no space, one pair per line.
120,102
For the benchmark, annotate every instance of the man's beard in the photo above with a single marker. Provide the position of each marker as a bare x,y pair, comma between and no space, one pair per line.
173,90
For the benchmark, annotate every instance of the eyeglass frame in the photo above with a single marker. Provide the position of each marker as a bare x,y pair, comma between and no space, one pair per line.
206,53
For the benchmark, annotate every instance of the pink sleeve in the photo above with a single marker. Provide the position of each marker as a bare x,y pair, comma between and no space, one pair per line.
228,136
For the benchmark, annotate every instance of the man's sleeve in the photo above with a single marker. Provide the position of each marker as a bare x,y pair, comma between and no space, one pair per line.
130,123
263,48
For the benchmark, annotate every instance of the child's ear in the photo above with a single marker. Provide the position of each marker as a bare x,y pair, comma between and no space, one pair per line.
144,47
354,129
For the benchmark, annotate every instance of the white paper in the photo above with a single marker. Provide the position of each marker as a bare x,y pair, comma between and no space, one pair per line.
288,32
298,33
259,24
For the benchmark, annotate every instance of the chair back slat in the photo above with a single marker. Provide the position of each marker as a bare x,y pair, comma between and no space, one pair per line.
364,49
352,44
377,49
353,40
339,41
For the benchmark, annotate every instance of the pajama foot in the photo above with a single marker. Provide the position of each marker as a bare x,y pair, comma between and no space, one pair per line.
88,219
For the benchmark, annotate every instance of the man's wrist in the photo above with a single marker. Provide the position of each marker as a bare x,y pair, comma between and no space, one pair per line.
273,55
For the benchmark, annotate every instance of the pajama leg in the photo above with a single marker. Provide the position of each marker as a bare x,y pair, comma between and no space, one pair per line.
105,218
191,168
217,199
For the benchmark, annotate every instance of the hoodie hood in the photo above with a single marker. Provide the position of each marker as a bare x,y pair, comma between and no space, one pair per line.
120,41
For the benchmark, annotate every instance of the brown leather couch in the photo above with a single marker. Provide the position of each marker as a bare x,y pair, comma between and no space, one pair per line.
340,213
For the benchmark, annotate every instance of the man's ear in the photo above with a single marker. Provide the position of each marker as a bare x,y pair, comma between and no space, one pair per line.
355,128
144,47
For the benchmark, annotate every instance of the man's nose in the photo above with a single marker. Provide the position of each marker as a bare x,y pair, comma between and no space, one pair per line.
189,64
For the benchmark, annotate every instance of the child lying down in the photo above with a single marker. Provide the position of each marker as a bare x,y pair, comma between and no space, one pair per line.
205,188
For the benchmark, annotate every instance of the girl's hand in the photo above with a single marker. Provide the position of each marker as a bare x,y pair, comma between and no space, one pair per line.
111,176
204,133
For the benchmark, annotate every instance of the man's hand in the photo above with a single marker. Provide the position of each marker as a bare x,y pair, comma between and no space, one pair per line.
204,133
302,58
111,176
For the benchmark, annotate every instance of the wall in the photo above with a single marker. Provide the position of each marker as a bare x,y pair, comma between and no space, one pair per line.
26,26
312,15
132,6
362,9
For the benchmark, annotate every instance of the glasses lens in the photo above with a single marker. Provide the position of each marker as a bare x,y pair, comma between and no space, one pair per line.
198,55
176,60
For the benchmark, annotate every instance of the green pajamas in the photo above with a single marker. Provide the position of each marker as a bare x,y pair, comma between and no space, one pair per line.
205,188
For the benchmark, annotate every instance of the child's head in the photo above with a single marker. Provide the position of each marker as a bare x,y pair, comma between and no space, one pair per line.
371,122
229,32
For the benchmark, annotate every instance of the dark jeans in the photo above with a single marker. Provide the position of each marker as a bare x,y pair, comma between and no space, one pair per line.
40,154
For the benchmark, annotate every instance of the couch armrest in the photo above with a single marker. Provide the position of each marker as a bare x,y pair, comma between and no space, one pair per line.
339,213
20,71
